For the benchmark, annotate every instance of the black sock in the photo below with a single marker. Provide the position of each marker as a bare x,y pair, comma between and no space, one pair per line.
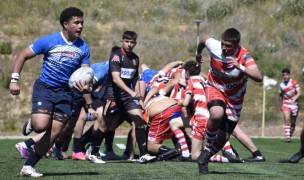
29,142
66,144
141,140
109,140
163,149
257,153
129,144
97,137
87,136
33,159
77,146
58,144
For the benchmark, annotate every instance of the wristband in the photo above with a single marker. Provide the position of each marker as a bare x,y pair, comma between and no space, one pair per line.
15,77
242,68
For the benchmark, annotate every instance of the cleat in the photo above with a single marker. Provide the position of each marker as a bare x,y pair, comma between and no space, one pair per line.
79,156
29,171
296,157
146,158
22,149
27,128
231,158
182,159
203,168
88,152
202,161
255,159
96,159
110,155
58,153
288,140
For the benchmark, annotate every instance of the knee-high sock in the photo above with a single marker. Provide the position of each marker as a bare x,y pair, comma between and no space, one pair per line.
87,136
210,138
141,140
77,145
292,129
97,137
109,141
129,144
228,148
287,132
182,141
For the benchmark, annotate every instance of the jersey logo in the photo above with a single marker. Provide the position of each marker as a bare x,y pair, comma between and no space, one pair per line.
115,58
127,73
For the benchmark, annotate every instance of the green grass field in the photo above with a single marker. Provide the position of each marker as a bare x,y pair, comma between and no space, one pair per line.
276,151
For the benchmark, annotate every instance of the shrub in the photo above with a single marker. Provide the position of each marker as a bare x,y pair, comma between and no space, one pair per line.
6,48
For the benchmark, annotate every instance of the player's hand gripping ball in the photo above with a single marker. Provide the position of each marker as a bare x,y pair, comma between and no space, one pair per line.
84,75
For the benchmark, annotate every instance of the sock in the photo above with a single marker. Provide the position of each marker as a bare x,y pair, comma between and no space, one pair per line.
165,153
182,141
97,138
109,140
287,132
218,158
228,148
29,142
129,144
292,129
66,144
163,149
58,144
77,146
141,140
33,159
210,137
215,148
257,153
87,136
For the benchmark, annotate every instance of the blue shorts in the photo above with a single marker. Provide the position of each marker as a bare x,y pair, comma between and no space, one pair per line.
78,102
147,75
52,99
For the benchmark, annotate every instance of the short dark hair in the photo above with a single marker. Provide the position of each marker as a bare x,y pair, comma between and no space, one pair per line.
231,35
68,13
192,67
129,35
286,70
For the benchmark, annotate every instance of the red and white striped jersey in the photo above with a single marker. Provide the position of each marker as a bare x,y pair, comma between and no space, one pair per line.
289,90
229,80
196,88
159,81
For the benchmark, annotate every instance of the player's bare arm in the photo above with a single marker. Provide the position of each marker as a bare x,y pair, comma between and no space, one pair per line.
119,82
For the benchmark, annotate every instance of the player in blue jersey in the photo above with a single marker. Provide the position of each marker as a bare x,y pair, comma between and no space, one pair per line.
64,52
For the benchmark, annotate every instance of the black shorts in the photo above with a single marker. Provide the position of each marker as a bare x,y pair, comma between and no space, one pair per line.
113,107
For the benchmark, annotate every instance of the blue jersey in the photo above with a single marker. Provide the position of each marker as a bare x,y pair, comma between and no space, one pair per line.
61,58
100,73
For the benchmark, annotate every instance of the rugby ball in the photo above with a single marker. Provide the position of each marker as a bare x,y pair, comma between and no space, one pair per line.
83,74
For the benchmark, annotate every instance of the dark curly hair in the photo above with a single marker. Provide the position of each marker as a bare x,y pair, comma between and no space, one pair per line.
192,67
68,13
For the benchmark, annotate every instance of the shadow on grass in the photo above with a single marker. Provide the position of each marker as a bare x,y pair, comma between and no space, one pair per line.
244,173
71,174
286,161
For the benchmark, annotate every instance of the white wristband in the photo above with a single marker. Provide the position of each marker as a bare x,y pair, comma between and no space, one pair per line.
242,68
15,77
